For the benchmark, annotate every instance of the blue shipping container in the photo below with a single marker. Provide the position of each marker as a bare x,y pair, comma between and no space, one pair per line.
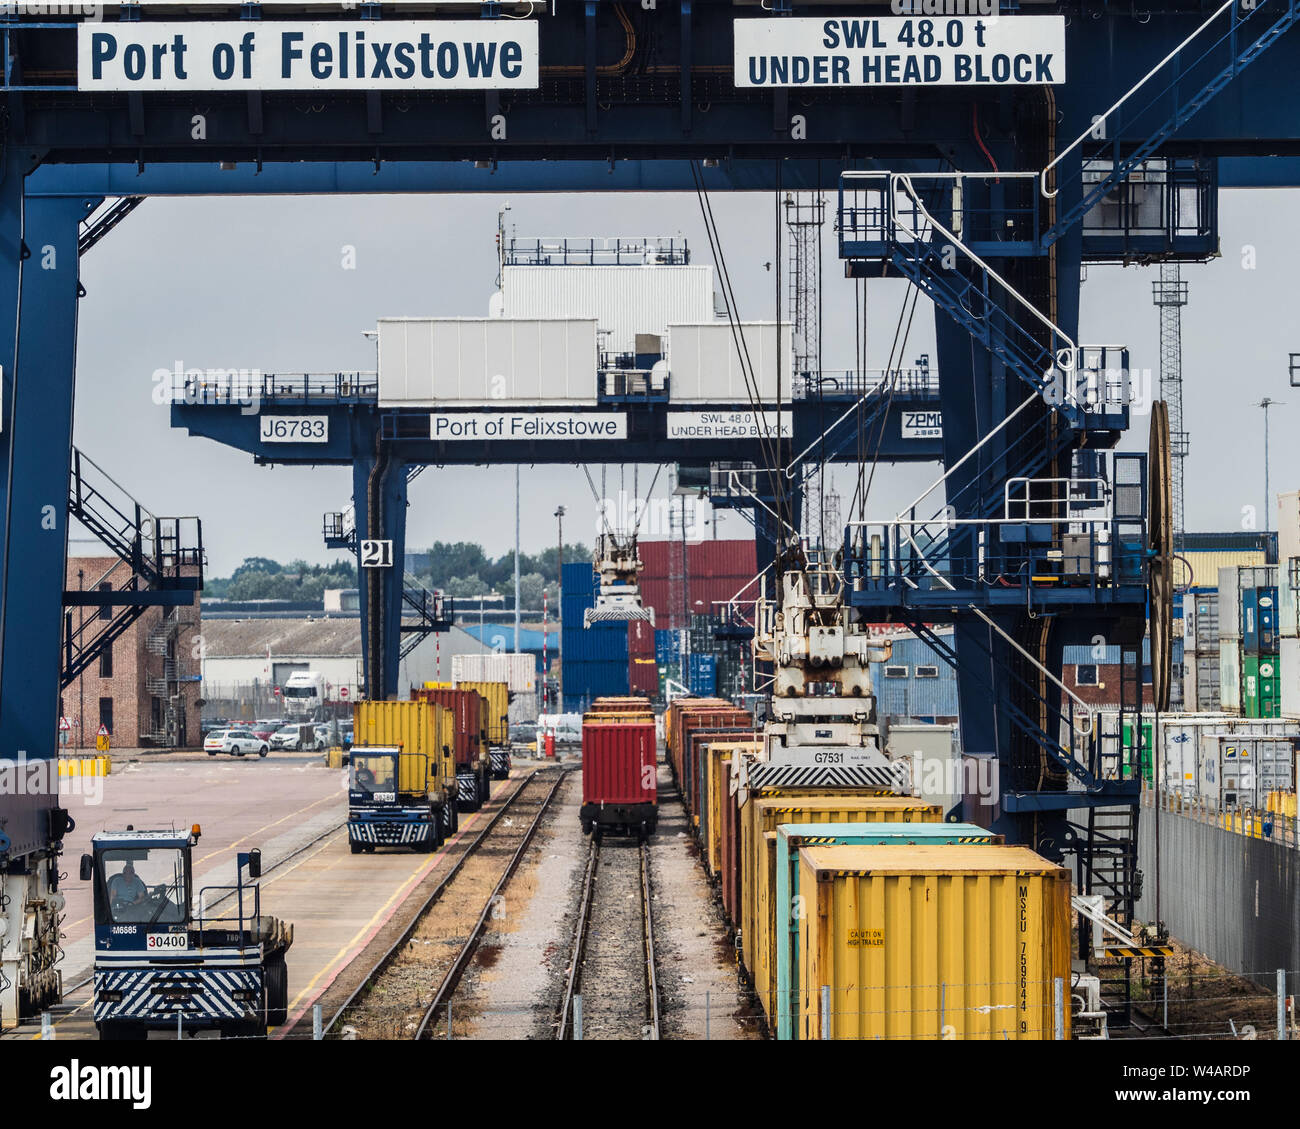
602,642
1250,620
594,679
579,578
703,674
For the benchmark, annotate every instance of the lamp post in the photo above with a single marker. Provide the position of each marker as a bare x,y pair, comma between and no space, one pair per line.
559,600
1266,403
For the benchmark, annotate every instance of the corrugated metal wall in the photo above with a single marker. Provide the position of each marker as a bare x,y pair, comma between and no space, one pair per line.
623,300
1227,895
910,696
715,572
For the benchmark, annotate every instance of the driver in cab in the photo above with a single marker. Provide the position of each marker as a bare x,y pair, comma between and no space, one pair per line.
126,890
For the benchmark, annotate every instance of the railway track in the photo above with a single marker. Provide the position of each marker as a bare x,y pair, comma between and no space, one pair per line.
409,986
612,991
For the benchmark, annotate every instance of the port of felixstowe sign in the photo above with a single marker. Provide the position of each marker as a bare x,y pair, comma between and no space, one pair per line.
370,55
901,51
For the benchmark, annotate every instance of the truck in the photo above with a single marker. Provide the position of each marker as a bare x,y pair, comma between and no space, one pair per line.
303,695
473,764
165,959
402,788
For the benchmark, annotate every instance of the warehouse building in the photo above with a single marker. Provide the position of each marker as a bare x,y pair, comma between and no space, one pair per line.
245,659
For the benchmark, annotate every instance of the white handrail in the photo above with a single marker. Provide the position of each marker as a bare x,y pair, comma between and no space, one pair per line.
1091,130
904,179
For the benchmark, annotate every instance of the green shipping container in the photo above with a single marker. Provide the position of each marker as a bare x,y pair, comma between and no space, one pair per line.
790,837
1130,752
1261,686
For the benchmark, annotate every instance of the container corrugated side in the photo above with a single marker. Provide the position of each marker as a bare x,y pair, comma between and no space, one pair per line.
433,361
466,707
518,672
762,814
495,717
1230,676
719,756
421,728
788,904
704,742
618,763
932,942
699,740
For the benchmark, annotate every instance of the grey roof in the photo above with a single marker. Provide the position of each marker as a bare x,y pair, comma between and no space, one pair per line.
250,638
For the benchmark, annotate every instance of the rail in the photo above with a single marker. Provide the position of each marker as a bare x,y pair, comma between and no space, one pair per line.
449,981
234,387
569,1023
435,895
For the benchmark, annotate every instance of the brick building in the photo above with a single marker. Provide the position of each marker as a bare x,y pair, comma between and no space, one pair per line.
144,689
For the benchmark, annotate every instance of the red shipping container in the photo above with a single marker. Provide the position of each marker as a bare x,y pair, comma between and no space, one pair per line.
640,639
466,707
643,676
619,785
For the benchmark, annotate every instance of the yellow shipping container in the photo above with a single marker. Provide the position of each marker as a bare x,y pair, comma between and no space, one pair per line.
717,775
1282,803
932,942
422,729
496,710
760,816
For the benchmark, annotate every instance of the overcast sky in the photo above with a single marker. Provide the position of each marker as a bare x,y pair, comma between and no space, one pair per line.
258,283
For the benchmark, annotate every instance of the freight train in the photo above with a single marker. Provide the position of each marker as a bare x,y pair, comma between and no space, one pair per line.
858,912
620,792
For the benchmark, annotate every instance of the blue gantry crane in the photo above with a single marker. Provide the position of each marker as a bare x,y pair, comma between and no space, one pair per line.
988,198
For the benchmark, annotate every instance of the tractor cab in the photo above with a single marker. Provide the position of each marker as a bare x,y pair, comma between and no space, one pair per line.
374,775
141,879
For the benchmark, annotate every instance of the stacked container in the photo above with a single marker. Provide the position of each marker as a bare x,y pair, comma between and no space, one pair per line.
759,819
789,903
471,710
1249,661
619,775
1201,651
594,659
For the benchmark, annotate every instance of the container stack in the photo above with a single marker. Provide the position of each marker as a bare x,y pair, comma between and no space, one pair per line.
595,658
642,663
1201,651
1288,591
859,914
1249,661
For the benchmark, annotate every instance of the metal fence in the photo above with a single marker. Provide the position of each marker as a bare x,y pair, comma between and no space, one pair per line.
1227,884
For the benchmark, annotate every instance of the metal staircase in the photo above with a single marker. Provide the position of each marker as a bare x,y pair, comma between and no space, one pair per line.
1232,38
884,218
95,227
164,554
423,613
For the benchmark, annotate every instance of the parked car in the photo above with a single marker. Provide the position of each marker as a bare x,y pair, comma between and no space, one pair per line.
298,737
236,741
264,730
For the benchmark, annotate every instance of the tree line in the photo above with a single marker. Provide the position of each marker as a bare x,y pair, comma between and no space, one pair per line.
459,568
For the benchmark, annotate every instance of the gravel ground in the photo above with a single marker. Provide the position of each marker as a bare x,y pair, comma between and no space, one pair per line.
515,984
699,989
518,979
613,967
392,1008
